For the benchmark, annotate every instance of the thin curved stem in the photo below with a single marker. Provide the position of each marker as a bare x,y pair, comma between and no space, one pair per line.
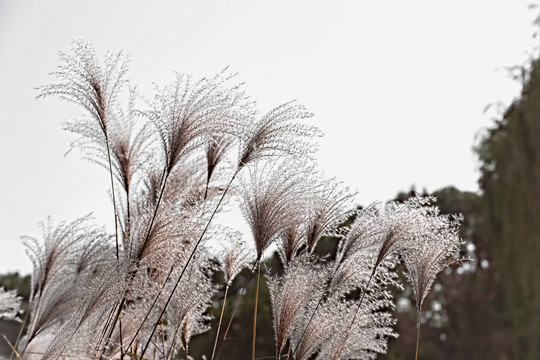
14,352
417,335
255,312
220,318
113,196
244,290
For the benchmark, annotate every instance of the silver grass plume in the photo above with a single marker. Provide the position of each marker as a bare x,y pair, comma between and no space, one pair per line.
68,255
272,200
301,284
186,183
186,314
108,136
330,207
216,151
290,242
128,139
82,80
175,229
276,133
366,338
236,256
313,329
78,334
376,233
369,241
329,330
187,111
10,304
433,245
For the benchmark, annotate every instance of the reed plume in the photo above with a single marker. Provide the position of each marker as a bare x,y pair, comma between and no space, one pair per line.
10,304
291,294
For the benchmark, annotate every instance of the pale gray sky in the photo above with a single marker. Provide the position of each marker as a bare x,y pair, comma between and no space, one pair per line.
398,87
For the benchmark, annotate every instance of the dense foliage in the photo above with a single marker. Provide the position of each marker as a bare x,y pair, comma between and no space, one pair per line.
510,156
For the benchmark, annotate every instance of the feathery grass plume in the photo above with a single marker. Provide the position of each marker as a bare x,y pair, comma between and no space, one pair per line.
128,139
276,133
369,240
375,234
174,230
290,242
216,150
96,88
330,207
186,314
433,245
87,83
368,335
374,288
185,311
272,202
236,256
10,304
273,199
291,293
313,329
186,185
57,259
70,254
78,333
188,111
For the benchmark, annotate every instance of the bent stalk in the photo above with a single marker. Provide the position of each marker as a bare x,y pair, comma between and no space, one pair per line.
220,318
244,290
417,335
255,313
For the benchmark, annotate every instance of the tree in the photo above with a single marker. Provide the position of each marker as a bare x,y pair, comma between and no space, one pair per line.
510,179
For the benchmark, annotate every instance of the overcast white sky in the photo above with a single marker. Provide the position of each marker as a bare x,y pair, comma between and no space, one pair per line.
398,87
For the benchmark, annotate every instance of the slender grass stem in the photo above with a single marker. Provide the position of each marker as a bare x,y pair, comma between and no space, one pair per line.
417,335
255,312
220,318
30,333
20,334
113,196
120,328
14,351
244,290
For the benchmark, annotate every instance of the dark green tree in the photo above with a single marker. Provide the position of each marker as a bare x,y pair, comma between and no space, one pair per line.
510,179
